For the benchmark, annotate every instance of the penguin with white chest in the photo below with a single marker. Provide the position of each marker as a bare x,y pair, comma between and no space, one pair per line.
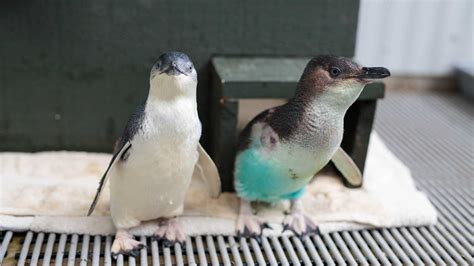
156,156
282,148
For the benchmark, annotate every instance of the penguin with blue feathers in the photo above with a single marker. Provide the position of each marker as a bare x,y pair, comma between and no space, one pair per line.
282,148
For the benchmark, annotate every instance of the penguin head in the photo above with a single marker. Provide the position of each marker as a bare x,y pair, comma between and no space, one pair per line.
338,77
330,71
173,73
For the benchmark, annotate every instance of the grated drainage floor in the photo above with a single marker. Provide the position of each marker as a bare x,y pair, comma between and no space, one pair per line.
432,133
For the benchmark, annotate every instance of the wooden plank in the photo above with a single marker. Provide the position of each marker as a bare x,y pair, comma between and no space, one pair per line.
259,69
284,90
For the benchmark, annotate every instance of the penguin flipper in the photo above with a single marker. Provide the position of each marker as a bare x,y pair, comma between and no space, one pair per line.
349,170
207,170
121,154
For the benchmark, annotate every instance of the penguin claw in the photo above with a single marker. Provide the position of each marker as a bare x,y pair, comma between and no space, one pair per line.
266,226
126,246
170,233
249,226
134,252
300,224
169,243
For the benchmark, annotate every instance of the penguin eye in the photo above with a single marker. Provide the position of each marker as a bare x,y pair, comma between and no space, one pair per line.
334,71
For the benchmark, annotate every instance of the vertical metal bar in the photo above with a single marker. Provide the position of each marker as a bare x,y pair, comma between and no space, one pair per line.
96,251
144,252
257,252
245,249
452,249
396,247
312,251
49,249
279,250
403,243
465,195
37,249
155,256
60,252
234,248
107,255
212,250
375,248
386,249
323,250
223,251
132,261
301,250
416,246
71,259
355,250
189,251
449,212
166,255
448,230
25,248
343,248
290,251
333,250
120,260
268,251
426,246
462,206
178,254
200,249
84,250
4,247
364,248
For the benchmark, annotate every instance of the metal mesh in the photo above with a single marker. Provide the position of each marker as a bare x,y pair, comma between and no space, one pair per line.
431,133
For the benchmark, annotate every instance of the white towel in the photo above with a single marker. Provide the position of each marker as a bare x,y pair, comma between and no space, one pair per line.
52,191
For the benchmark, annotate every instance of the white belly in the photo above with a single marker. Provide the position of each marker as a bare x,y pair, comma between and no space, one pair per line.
153,181
314,153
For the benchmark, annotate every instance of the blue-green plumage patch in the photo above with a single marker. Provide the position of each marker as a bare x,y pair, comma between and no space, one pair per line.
262,178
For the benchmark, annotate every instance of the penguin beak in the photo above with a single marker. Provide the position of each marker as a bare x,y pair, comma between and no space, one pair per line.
173,70
370,73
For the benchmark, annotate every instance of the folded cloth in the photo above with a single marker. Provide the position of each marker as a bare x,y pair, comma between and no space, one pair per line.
52,191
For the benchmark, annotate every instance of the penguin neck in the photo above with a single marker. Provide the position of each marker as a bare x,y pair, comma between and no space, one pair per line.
328,104
169,89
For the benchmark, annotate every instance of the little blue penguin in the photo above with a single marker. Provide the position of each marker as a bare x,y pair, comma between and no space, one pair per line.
156,156
282,148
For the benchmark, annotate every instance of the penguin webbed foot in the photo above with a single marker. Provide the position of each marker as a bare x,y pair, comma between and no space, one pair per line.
170,233
300,224
125,244
250,226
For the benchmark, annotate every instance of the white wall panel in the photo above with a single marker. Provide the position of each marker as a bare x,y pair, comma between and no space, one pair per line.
415,37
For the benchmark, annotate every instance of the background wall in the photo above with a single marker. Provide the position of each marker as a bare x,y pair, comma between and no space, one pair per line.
415,37
71,72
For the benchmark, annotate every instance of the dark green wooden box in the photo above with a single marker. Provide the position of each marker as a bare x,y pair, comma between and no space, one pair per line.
236,78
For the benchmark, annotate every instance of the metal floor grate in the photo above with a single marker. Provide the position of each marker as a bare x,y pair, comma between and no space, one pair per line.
430,132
